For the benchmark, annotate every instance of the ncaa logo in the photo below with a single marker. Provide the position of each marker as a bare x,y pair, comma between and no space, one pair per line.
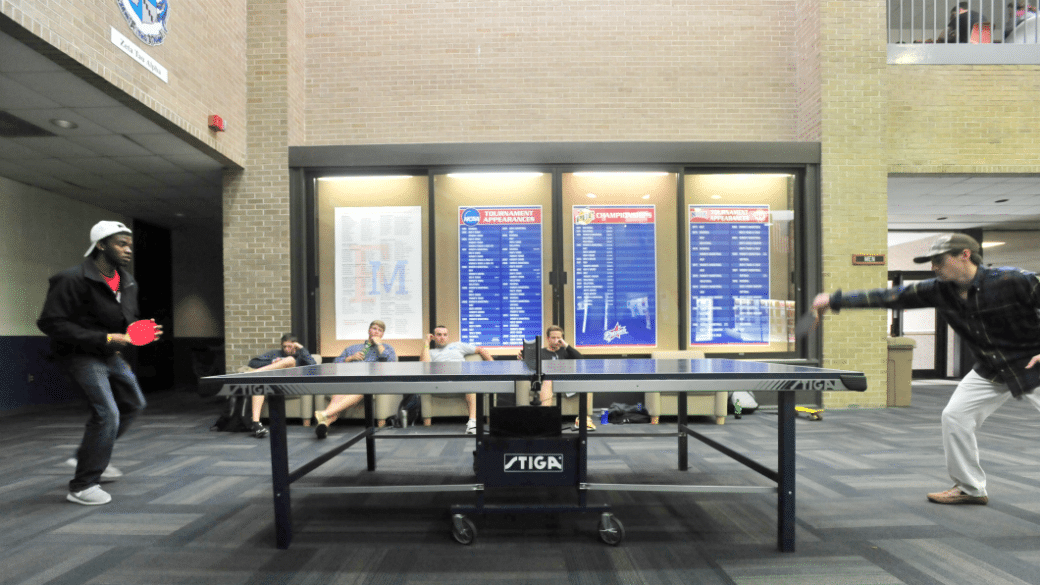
471,217
147,18
526,462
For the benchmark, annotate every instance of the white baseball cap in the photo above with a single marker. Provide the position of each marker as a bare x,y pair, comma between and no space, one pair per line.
102,230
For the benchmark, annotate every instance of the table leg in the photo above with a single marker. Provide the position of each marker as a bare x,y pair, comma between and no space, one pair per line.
786,472
370,439
280,472
684,447
583,446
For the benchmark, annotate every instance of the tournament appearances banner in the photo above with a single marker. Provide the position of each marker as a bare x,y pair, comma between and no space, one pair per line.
615,275
500,275
729,274
379,271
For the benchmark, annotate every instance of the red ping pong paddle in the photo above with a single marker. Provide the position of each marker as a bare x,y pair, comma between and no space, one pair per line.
141,332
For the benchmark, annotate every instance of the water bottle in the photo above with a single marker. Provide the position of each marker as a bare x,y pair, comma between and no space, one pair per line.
603,418
736,408
403,417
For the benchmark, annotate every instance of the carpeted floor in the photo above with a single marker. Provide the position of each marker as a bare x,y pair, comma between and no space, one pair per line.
195,507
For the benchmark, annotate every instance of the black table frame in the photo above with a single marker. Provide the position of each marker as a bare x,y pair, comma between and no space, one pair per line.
282,477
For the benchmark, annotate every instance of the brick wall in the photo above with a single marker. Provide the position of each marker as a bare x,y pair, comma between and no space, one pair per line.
963,119
257,286
204,54
510,70
807,71
854,186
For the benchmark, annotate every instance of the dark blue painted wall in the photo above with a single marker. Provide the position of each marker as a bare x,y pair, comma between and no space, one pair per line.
30,379
26,357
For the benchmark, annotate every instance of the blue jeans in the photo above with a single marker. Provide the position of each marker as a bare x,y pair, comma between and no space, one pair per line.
115,401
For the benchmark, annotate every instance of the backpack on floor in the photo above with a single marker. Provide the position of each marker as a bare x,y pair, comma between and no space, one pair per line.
237,416
409,403
620,414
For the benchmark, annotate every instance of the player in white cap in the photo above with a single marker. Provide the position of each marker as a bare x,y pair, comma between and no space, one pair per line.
86,315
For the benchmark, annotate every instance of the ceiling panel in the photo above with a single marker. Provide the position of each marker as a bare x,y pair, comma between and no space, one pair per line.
14,95
115,158
119,120
65,89
54,147
42,117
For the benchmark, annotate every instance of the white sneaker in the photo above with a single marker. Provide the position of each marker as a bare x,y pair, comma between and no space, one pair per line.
92,496
471,427
110,473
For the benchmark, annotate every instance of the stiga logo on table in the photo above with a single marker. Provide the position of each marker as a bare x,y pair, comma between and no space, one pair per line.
543,462
249,389
147,18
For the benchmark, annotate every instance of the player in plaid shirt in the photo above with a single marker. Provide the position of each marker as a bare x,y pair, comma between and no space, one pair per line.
997,313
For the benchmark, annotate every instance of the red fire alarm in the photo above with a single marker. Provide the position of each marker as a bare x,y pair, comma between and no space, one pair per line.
216,123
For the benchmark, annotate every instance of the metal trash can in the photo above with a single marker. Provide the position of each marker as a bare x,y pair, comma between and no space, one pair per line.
900,370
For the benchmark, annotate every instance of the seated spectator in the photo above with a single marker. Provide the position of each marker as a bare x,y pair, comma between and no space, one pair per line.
289,355
372,350
958,30
1017,13
557,348
457,351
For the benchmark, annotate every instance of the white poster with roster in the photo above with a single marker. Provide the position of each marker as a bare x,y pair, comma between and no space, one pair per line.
379,271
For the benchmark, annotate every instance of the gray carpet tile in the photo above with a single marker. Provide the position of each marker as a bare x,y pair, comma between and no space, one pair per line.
196,507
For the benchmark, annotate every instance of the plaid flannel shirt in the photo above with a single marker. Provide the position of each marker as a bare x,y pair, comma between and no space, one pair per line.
1000,319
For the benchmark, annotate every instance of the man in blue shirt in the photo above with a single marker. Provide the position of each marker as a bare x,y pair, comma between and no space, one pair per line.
443,351
372,350
997,313
291,354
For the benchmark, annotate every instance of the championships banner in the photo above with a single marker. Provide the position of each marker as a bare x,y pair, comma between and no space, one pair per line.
615,275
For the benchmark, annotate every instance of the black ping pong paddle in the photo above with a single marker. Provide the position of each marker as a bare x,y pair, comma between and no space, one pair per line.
805,324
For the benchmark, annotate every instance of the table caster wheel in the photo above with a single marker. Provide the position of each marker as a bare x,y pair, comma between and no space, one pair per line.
611,530
463,530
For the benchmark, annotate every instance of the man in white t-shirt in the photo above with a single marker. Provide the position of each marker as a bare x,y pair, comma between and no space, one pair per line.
454,352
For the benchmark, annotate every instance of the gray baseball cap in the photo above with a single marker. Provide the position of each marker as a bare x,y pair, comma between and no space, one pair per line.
949,243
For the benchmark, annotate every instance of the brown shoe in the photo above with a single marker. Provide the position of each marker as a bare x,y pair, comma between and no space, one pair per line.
954,495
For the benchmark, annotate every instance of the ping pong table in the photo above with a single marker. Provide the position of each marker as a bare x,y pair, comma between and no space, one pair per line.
499,378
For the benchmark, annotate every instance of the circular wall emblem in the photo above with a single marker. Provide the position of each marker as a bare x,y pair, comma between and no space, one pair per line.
147,18
471,217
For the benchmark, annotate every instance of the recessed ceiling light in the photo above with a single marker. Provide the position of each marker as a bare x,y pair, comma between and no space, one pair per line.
66,124
364,177
647,196
497,175
992,244
602,174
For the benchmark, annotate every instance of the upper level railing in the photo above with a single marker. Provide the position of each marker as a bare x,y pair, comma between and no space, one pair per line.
963,31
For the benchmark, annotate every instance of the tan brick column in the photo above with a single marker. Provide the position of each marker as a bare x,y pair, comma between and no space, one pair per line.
256,200
854,186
